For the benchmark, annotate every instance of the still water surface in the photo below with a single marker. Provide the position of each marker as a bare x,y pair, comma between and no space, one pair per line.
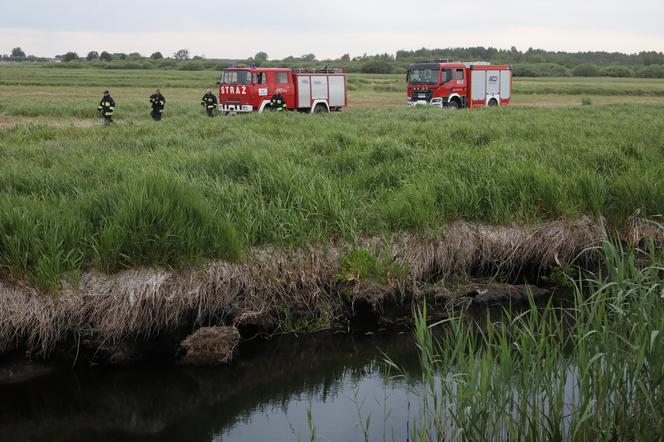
266,396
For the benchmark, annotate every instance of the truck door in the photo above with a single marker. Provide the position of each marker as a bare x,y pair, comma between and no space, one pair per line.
284,84
261,84
459,84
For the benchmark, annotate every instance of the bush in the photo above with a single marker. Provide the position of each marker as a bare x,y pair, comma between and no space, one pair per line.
653,71
165,64
540,70
586,70
128,65
70,65
377,67
616,71
191,66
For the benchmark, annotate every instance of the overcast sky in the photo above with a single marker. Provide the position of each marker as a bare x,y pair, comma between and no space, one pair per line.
331,28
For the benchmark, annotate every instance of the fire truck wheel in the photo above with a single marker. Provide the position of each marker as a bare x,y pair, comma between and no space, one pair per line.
454,105
493,102
320,109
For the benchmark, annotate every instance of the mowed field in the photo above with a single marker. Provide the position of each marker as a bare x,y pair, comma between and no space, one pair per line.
76,195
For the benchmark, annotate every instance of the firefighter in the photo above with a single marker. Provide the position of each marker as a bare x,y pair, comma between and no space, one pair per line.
209,101
278,102
107,107
158,101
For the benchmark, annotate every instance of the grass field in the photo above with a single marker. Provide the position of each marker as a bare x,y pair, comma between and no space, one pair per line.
60,96
75,194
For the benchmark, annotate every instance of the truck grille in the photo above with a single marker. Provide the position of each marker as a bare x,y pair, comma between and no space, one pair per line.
422,94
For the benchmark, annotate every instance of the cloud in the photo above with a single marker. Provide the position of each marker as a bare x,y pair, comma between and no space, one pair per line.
326,28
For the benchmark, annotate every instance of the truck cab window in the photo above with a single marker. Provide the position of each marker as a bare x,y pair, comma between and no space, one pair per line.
260,78
282,77
236,77
448,75
423,75
459,74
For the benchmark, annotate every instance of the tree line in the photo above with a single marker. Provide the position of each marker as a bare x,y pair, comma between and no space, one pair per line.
530,63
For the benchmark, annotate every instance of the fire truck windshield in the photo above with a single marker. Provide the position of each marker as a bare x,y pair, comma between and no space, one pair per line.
423,74
236,77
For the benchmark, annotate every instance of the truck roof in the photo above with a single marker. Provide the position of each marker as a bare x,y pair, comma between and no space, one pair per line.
249,68
458,64
325,70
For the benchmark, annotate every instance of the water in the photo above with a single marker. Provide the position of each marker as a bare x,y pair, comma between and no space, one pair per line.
333,386
267,395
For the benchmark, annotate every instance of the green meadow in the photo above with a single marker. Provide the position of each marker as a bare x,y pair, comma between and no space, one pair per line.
76,195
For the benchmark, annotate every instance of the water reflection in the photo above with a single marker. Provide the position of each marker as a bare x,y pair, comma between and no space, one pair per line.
265,396
339,380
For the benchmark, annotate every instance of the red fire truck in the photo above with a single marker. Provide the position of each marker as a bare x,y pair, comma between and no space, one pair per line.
250,89
457,85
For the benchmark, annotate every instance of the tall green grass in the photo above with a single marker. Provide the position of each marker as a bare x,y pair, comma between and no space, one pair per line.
151,219
594,371
67,194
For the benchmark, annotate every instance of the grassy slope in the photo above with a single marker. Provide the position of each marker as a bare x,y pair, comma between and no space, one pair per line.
193,188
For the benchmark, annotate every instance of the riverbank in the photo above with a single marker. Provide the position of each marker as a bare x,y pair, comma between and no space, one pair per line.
122,318
589,367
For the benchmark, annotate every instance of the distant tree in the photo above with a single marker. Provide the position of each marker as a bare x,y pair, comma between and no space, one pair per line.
651,58
134,56
345,57
308,57
105,56
92,55
261,56
182,54
18,53
70,56
156,56
199,57
119,56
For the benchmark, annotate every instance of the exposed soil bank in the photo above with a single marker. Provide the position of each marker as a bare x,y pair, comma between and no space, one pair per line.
118,319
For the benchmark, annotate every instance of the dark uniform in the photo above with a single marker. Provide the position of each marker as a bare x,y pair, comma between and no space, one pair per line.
209,101
158,101
278,102
107,108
